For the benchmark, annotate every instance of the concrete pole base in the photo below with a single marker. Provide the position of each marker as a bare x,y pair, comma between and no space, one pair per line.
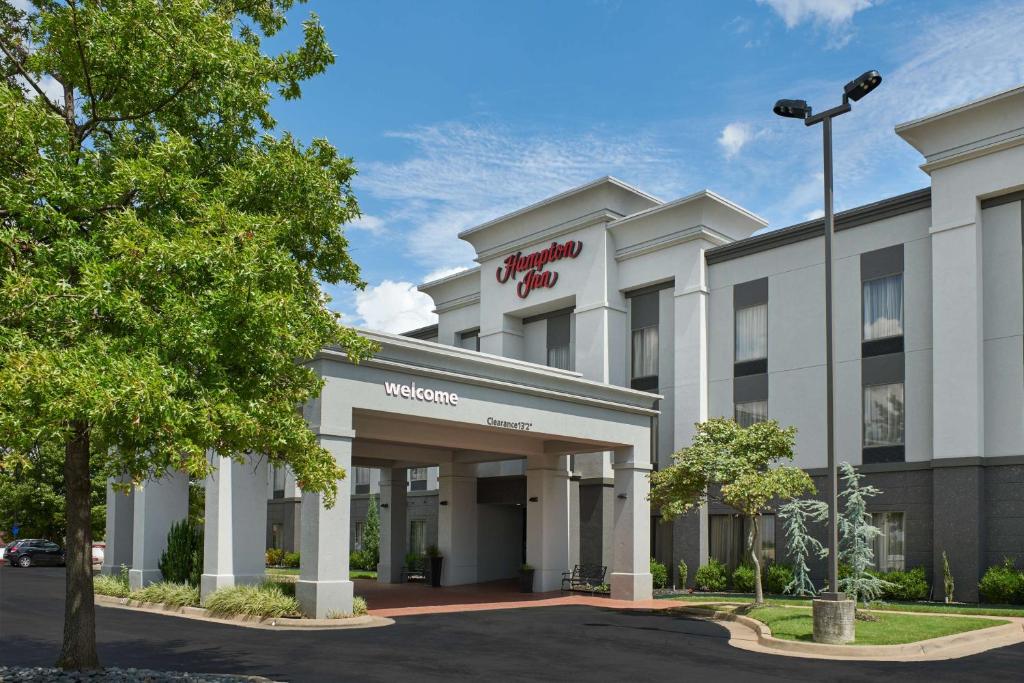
834,619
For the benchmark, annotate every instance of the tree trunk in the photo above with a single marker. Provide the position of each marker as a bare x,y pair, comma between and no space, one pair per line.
79,649
754,536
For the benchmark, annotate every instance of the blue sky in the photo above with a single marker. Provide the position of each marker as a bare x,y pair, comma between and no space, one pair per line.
458,112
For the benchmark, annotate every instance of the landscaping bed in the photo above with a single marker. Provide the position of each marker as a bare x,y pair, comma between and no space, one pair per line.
922,607
38,674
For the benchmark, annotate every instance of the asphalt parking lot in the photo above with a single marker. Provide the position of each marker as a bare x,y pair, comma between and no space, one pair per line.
543,644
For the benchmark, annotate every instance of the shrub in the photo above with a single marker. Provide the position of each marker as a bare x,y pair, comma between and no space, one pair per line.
169,593
362,559
684,573
290,559
110,585
947,578
743,579
777,577
182,562
711,577
411,559
358,609
274,556
265,600
906,585
1002,583
659,573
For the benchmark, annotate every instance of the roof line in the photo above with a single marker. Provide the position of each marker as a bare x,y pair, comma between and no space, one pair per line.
688,198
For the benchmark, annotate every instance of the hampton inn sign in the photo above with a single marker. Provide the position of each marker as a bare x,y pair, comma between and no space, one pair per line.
532,266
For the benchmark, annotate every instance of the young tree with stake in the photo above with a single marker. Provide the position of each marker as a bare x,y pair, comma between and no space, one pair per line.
161,254
737,466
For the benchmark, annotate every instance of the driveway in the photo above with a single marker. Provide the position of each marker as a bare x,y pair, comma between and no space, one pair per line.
552,643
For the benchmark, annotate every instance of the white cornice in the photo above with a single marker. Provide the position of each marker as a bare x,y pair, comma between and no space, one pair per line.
697,232
952,111
460,302
978,148
448,278
702,194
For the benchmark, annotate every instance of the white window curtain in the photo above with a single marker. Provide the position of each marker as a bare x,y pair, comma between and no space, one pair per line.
751,412
357,536
278,477
418,537
752,333
417,473
883,307
883,415
888,545
645,352
362,475
558,357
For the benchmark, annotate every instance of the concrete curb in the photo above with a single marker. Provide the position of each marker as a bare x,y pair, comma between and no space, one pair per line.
952,646
272,623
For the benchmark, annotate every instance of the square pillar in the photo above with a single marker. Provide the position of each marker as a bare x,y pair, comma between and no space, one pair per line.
234,532
158,504
631,551
547,520
324,586
120,520
574,520
457,523
393,487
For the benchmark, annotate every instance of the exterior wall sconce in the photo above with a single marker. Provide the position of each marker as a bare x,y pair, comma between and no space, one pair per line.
621,496
534,499
443,502
384,505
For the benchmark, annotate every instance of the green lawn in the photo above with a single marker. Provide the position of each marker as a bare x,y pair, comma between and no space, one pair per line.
294,571
890,629
984,610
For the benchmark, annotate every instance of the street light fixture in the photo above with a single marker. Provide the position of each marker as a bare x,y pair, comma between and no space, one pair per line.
799,109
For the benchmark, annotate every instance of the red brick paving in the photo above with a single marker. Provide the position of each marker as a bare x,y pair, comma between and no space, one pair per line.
407,599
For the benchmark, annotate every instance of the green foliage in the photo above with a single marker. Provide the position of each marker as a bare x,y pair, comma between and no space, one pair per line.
856,535
737,466
432,551
659,574
412,559
291,560
684,573
168,593
371,533
907,585
711,577
777,578
264,600
274,557
1002,584
110,585
182,562
743,579
948,585
359,606
32,494
801,544
361,559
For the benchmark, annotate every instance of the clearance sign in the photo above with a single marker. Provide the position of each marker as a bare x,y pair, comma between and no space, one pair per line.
531,266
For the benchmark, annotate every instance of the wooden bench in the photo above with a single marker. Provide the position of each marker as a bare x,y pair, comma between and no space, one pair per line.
419,570
584,577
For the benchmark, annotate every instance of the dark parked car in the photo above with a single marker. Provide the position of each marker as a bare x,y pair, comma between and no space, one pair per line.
34,551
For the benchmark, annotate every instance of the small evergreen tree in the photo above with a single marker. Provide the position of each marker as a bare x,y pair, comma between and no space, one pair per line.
856,534
801,545
182,562
371,534
947,578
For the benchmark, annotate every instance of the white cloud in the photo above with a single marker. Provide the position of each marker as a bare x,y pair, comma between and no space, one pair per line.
735,136
443,272
814,213
833,13
371,224
394,307
460,175
48,84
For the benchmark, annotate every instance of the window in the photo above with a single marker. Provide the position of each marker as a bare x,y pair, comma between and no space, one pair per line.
470,340
644,319
888,545
752,333
645,352
361,479
278,481
883,307
276,535
751,412
418,479
883,415
728,536
357,535
559,342
418,537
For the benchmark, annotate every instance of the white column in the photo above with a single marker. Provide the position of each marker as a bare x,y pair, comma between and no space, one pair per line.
393,486
120,519
690,359
457,523
574,521
631,571
159,503
547,520
235,526
324,587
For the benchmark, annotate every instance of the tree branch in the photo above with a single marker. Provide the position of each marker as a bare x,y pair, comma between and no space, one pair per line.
31,81
90,125
81,57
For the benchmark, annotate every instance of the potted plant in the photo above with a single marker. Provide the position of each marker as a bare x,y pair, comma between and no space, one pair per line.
526,579
434,556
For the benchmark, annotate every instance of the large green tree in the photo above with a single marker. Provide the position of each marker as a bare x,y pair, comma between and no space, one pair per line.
162,249
740,467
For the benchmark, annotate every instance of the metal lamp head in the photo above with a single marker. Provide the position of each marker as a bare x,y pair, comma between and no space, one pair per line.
862,85
792,109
